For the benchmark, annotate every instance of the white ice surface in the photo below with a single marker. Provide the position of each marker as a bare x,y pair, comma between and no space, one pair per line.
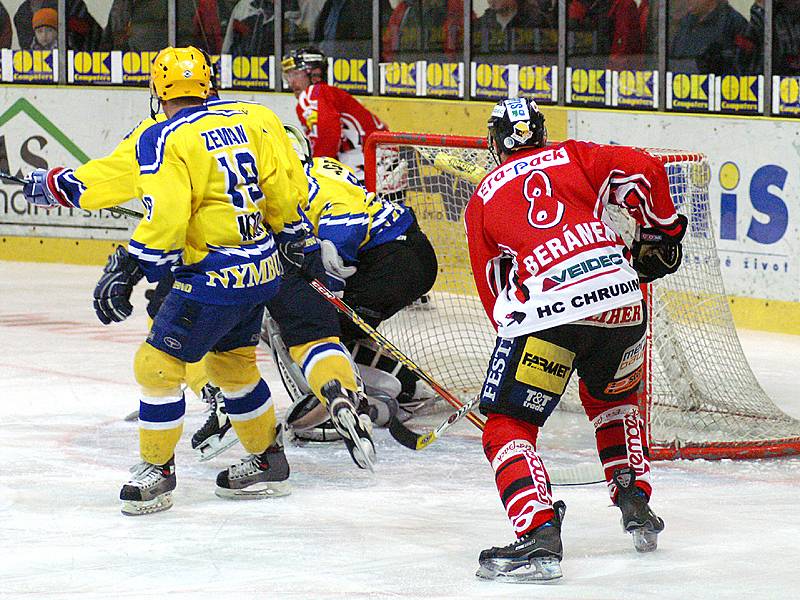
413,530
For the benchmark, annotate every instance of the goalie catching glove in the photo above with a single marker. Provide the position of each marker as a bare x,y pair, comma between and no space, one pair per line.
112,295
335,268
657,253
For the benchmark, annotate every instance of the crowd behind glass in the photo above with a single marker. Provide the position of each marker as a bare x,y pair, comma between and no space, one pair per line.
723,37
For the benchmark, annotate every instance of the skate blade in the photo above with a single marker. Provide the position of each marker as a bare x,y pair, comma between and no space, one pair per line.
538,570
213,446
134,416
645,540
267,489
135,508
363,451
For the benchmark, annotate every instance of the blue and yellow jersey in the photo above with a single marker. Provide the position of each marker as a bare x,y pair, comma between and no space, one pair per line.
342,211
208,180
111,180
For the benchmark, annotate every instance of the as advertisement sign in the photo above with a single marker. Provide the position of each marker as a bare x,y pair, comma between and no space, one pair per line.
690,91
539,82
94,67
353,75
30,140
492,81
136,67
786,95
251,72
589,87
30,66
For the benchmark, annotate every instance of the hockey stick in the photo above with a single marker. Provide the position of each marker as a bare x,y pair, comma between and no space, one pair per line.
418,441
8,178
384,343
447,163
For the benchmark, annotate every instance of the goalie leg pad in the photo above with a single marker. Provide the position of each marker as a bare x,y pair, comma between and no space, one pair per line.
621,443
522,480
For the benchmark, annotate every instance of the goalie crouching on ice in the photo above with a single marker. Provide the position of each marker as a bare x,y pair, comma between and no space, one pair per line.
558,285
377,257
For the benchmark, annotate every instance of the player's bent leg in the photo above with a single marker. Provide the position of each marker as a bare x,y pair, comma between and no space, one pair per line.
524,488
622,447
264,473
161,411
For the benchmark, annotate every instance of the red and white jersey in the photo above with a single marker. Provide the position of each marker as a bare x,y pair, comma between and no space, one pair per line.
336,124
541,254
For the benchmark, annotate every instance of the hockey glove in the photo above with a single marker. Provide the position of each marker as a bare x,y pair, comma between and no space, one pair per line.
655,253
40,189
335,268
112,295
292,255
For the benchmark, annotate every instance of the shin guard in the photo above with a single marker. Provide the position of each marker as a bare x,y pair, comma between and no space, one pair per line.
619,433
522,481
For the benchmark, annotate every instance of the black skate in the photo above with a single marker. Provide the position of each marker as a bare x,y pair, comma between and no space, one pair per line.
149,489
637,517
216,435
355,429
535,557
262,475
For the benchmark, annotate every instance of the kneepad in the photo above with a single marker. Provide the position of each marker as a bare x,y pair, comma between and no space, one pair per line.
233,370
158,373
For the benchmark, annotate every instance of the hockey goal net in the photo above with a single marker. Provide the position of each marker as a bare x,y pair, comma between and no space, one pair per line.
699,396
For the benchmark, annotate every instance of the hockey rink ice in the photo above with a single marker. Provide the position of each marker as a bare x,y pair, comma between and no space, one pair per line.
412,530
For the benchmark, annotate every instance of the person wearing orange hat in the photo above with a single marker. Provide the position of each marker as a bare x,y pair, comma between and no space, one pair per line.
45,29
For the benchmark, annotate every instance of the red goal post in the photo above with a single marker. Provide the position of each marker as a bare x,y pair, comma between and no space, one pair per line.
699,397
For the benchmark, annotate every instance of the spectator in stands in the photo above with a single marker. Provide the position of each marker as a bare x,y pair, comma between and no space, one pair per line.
615,27
251,29
506,26
83,32
416,26
45,29
345,27
785,38
709,38
141,25
6,33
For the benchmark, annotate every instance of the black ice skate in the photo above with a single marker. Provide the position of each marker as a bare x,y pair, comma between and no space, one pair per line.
262,475
149,489
535,557
216,435
637,517
355,429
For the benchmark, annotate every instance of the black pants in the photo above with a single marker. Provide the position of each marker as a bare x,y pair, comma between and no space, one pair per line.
389,278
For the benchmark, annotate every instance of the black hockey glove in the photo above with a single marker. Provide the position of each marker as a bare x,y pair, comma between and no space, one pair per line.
655,253
292,255
112,294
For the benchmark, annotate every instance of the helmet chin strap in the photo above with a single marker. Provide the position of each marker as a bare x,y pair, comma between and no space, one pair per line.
155,107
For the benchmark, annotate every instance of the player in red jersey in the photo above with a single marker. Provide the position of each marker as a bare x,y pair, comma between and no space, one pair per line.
559,286
335,123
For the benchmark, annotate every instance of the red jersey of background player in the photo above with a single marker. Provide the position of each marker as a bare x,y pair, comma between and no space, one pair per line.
541,253
336,124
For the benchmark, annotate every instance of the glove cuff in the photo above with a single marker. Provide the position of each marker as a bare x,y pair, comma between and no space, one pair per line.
53,189
676,231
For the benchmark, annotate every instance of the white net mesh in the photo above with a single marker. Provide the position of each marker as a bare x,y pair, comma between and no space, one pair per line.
702,392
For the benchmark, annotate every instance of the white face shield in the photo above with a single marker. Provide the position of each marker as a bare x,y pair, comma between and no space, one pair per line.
300,143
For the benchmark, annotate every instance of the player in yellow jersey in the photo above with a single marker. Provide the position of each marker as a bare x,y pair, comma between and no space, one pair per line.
310,322
375,253
218,199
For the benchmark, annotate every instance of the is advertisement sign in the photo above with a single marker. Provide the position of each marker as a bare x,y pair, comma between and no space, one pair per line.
492,81
589,87
402,78
252,72
35,66
635,89
539,82
690,91
136,67
739,93
786,95
353,75
444,79
753,195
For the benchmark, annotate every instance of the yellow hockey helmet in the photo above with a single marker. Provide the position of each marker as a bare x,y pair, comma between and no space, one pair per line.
179,73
